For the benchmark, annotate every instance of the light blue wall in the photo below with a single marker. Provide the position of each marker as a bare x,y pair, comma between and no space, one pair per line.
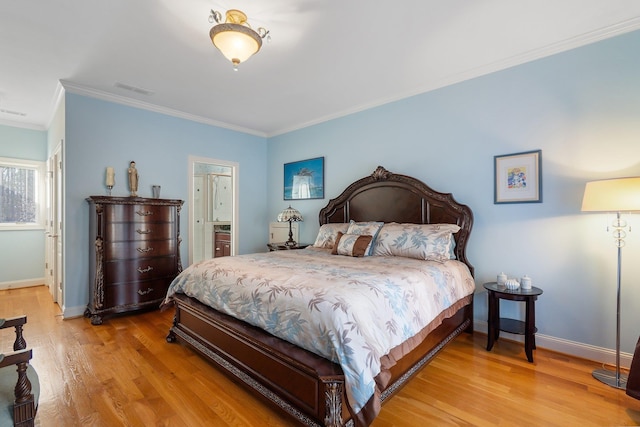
22,252
101,134
581,108
22,143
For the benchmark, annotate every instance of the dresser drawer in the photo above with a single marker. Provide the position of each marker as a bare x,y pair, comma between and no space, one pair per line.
139,213
139,249
140,269
127,231
136,293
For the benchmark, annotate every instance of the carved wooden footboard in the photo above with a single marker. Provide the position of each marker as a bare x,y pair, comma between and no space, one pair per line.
303,385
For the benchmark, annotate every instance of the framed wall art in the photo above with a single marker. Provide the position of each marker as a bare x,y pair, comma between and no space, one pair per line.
304,179
518,177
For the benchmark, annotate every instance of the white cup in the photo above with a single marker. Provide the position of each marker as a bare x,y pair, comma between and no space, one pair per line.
525,282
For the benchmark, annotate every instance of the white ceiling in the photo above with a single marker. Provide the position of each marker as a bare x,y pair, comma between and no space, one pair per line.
327,58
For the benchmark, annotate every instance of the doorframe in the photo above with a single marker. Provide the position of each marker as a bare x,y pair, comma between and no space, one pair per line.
235,173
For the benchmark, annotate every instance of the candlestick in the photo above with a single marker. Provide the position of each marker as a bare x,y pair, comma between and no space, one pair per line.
111,179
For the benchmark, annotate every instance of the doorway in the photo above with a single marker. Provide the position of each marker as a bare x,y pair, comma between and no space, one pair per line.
213,208
53,230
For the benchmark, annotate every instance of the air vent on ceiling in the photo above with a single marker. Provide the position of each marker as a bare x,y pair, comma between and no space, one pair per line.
134,89
15,113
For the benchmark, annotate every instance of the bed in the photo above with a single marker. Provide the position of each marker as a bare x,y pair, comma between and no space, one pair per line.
314,388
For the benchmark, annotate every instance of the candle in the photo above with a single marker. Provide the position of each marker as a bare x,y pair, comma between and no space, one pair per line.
110,177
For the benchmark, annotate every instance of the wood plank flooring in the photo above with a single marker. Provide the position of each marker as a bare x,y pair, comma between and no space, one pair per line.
124,373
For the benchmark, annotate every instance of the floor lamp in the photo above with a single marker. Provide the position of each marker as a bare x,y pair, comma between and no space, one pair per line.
614,195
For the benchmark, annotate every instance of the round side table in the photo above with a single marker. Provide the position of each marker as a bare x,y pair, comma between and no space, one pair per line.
497,324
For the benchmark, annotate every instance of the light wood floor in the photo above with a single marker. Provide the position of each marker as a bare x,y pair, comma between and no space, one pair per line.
124,373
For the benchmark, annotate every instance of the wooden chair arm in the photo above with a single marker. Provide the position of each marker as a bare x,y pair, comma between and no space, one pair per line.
16,357
16,322
13,321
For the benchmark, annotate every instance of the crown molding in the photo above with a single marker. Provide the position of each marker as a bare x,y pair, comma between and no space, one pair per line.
56,100
123,100
492,67
31,126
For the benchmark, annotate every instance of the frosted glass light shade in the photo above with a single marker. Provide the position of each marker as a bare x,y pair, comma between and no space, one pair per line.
236,42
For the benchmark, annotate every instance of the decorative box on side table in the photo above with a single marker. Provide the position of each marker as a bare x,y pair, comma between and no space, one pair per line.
497,324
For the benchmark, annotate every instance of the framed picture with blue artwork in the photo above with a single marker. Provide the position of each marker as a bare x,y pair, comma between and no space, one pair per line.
518,177
304,179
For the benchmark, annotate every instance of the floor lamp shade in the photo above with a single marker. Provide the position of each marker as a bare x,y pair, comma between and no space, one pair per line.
614,195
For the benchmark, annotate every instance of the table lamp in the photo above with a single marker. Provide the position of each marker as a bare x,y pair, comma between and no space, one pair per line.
290,215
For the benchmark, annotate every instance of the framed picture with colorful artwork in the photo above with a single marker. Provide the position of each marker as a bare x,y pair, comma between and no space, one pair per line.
304,179
518,177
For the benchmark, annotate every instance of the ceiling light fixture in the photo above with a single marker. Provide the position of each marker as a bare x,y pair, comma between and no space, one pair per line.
235,38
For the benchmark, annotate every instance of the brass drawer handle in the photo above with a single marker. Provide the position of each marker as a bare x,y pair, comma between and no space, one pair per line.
148,291
144,250
139,231
144,270
144,213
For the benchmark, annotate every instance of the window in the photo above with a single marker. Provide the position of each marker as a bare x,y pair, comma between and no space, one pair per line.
21,194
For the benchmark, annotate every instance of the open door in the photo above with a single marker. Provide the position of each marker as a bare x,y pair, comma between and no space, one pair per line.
53,231
213,207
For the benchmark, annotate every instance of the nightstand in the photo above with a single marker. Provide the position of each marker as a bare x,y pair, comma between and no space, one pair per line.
282,247
497,324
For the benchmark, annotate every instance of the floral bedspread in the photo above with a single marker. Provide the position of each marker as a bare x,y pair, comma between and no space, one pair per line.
349,310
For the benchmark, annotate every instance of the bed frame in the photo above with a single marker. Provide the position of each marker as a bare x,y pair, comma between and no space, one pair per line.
303,385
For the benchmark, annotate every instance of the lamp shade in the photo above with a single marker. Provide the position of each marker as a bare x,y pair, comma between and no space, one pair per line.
290,215
236,42
235,38
612,195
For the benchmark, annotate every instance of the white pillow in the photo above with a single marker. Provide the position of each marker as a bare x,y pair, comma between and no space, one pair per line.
432,242
327,234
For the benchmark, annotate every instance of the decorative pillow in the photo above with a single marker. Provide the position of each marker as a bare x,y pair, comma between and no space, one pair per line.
452,249
370,228
327,235
433,242
351,245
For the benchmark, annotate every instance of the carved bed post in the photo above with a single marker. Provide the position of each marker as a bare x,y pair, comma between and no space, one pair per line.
171,337
333,398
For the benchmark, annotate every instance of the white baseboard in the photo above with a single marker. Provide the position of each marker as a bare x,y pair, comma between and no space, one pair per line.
573,348
22,283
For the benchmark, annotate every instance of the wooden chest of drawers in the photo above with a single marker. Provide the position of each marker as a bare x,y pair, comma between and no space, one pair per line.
135,253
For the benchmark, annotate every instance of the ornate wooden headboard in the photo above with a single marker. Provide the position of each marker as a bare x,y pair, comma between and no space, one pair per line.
390,197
